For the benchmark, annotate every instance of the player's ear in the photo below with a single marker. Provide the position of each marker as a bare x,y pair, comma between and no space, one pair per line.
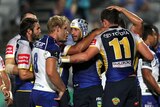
105,23
57,28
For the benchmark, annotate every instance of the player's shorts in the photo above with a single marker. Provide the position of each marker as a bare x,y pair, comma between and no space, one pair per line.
123,93
88,97
22,99
64,102
150,101
43,99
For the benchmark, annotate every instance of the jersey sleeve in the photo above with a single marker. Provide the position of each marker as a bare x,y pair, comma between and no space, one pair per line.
24,57
137,38
65,49
96,42
2,66
10,49
146,64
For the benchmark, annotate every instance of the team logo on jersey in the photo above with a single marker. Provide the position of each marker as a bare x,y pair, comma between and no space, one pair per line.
23,58
115,100
93,42
9,49
99,101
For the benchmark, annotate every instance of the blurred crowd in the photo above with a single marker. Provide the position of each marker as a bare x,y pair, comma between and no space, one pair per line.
89,10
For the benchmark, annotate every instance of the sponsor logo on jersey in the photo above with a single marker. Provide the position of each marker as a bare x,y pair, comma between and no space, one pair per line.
117,33
9,49
115,100
23,58
120,64
93,42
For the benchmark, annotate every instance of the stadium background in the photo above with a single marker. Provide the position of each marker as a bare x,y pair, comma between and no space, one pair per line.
11,10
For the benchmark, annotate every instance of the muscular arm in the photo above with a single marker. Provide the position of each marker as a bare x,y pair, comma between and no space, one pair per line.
147,75
6,80
137,22
26,74
145,51
84,56
83,44
11,67
51,70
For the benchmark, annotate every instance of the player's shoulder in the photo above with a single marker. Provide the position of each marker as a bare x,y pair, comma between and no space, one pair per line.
14,39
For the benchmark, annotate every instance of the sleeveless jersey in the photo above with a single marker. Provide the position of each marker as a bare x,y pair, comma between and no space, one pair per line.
119,47
23,60
11,47
153,66
46,47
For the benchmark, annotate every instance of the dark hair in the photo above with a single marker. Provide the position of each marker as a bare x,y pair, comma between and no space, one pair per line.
111,15
122,23
24,14
156,29
147,30
27,23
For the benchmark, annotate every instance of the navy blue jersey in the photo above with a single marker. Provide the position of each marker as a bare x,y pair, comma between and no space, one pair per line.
88,73
119,47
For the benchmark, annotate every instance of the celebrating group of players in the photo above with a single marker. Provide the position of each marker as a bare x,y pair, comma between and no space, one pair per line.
104,63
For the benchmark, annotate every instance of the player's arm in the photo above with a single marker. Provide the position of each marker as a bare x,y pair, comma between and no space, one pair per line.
145,51
11,67
137,22
25,69
6,80
5,87
147,75
51,70
81,57
25,74
83,44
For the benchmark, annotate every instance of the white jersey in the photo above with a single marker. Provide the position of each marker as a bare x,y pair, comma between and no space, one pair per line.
23,56
43,49
2,66
153,66
11,47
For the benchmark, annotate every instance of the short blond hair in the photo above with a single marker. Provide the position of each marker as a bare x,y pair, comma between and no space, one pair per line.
55,21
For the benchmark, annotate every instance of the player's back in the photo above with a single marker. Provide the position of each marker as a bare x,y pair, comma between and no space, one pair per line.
119,45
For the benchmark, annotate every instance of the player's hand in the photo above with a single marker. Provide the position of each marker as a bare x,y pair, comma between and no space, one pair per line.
115,7
60,94
9,101
8,97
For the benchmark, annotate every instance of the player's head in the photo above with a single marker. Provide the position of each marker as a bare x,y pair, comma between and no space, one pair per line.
121,22
30,29
157,33
59,26
149,34
79,29
28,15
109,17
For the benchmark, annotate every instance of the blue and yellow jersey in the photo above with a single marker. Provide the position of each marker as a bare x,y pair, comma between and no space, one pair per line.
119,47
88,73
